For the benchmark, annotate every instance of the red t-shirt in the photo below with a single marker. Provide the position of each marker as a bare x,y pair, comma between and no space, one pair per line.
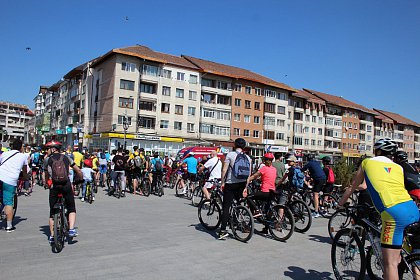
268,178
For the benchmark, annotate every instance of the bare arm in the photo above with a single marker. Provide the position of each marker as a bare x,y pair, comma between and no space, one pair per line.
224,171
356,181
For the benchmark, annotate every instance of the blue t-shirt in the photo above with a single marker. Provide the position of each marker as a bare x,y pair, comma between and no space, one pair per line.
315,169
191,164
153,162
107,156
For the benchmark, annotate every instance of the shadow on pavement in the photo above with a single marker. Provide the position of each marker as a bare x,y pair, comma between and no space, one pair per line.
300,273
45,230
18,219
199,227
321,239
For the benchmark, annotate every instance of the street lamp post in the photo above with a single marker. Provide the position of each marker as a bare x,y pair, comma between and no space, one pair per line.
125,126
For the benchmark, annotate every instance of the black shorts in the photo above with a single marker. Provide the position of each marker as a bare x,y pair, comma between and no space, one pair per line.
318,184
67,192
328,188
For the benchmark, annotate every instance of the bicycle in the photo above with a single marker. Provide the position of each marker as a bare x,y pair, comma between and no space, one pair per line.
300,210
89,197
117,191
157,187
348,250
327,202
145,184
15,204
240,221
61,225
187,190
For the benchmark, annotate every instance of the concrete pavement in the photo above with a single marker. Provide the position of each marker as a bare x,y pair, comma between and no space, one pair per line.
152,238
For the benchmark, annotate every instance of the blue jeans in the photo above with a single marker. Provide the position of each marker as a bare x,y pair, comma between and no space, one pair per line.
84,187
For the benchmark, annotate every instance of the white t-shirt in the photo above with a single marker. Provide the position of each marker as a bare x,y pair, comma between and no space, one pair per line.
112,163
10,170
216,173
87,173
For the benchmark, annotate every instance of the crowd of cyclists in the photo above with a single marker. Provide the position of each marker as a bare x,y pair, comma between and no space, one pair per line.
62,170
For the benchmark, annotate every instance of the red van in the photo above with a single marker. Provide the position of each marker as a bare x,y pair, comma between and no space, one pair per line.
199,152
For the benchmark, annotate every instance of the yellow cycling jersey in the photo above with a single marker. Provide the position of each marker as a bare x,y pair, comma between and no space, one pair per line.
385,182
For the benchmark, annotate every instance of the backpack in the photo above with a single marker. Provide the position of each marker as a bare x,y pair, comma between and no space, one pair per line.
412,181
158,165
138,161
103,156
331,177
241,167
298,178
60,173
36,158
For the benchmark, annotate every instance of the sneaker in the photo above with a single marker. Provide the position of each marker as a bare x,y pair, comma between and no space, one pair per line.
264,231
51,240
257,214
315,215
83,199
223,234
10,229
93,198
73,232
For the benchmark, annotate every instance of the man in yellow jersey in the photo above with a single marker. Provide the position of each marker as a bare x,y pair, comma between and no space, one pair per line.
78,157
385,184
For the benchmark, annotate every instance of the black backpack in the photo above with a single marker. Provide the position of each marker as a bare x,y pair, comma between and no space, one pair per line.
158,165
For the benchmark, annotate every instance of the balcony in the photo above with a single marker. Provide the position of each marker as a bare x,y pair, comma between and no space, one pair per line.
145,77
227,92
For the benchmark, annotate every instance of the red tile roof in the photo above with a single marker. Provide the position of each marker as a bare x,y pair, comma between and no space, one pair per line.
383,118
397,118
310,97
148,54
340,101
235,72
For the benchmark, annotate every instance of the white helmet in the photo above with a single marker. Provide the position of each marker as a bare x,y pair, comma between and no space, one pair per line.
387,145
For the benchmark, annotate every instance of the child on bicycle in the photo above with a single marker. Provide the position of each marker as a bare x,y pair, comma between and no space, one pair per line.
87,172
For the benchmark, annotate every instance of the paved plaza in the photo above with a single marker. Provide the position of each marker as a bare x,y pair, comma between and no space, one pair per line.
152,238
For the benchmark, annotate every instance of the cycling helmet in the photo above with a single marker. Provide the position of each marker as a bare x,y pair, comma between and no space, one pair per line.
269,156
386,145
240,143
87,163
415,193
401,156
54,144
326,160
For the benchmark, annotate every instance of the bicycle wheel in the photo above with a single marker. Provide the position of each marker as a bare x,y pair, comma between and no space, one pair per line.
146,187
281,226
76,190
337,222
348,256
178,189
58,231
301,214
197,197
241,223
15,204
209,214
409,267
160,188
328,206
90,197
373,265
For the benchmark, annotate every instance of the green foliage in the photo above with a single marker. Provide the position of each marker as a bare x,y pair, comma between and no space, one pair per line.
343,172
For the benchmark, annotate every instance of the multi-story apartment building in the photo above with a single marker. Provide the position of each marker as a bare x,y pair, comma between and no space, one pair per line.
403,132
13,119
308,123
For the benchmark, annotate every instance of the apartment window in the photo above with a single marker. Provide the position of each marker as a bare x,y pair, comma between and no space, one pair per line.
147,88
238,87
179,92
256,133
257,91
269,135
289,115
248,90
225,100
190,127
350,135
192,95
280,123
146,106
126,84
180,76
256,119
150,70
127,66
236,132
279,136
297,141
306,141
223,115
307,118
193,79
223,85
125,103
237,117
178,125
179,109
281,96
207,83
344,135
223,131
164,124
237,102
319,143
320,120
269,121
350,125
344,124
319,131
247,118
313,130
246,132
83,89
121,119
247,104
206,113
166,91
167,74
314,119
355,126
345,146
355,136
368,128
257,106
165,107
191,111
148,123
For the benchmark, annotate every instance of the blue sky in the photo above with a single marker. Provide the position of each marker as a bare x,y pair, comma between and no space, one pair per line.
367,51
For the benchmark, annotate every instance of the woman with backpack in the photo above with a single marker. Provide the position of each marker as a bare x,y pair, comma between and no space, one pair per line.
329,173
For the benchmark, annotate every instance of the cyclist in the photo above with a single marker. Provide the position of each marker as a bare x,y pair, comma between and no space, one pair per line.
329,185
418,167
78,157
103,165
119,168
136,162
411,176
157,169
11,164
319,180
214,167
233,183
385,184
191,174
279,165
87,172
61,187
35,164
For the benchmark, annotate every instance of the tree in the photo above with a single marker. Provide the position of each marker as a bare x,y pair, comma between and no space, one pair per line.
343,173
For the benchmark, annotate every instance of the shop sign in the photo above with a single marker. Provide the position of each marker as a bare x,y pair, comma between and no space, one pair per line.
276,149
148,137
